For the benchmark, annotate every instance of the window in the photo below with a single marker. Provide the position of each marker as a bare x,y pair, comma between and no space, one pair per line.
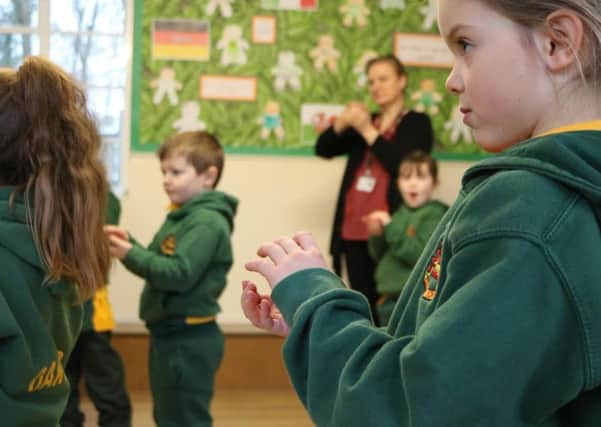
91,40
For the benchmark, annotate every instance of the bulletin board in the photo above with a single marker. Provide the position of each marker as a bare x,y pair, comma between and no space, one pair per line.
266,76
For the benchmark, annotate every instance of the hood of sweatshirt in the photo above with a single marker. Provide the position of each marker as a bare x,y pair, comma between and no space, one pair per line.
570,158
214,200
573,160
15,234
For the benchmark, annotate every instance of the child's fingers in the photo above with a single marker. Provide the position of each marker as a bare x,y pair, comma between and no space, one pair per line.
288,244
115,229
265,298
272,251
247,285
250,308
262,266
366,218
252,314
265,315
305,240
115,240
111,230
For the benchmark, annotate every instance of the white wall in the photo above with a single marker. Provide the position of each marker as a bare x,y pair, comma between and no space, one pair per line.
278,196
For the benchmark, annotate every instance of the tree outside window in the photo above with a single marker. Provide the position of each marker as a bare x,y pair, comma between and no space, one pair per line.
89,39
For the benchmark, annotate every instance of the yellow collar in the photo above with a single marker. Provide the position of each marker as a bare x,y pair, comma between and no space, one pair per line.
592,125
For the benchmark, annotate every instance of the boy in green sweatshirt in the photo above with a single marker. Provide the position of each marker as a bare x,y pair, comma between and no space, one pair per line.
185,268
397,241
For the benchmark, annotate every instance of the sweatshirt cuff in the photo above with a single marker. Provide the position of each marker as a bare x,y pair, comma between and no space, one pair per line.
301,286
136,259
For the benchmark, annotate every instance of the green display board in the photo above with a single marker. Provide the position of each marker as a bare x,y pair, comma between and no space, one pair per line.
266,75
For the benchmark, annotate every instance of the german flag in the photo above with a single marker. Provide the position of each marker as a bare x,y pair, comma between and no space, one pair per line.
180,39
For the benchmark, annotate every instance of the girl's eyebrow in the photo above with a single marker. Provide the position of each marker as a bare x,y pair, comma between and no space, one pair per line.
456,29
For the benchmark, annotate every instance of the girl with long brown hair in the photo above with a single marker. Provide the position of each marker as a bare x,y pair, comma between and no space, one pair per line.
53,253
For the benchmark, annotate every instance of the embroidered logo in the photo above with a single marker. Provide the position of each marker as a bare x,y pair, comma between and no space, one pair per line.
432,275
168,245
49,376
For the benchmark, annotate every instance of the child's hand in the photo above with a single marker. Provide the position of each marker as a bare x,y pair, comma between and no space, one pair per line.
261,311
118,247
114,230
376,221
285,256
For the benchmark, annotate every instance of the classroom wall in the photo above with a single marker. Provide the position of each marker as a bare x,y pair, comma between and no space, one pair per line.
278,195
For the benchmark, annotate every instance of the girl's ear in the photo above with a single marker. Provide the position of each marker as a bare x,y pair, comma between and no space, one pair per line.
563,36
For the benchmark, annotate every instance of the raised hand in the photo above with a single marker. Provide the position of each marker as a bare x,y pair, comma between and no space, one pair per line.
261,311
285,256
376,221
119,244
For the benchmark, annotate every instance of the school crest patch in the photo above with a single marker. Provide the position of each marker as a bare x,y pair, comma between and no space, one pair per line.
432,275
168,245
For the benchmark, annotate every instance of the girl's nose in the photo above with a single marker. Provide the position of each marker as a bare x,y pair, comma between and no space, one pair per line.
454,83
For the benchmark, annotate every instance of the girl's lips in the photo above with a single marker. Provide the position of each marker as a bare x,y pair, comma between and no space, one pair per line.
466,114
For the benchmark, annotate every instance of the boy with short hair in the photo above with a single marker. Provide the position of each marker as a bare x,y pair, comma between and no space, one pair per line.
185,268
397,241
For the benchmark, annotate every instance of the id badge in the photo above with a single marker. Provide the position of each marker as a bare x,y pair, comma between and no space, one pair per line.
366,183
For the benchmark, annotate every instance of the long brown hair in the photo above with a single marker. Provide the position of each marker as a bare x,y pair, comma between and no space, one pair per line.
49,150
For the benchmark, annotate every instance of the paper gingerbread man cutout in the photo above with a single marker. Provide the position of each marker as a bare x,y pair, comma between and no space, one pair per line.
458,129
166,85
427,99
189,120
225,7
430,11
271,121
233,46
354,11
287,72
325,53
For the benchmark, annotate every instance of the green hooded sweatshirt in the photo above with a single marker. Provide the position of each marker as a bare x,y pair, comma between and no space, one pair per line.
499,324
186,264
39,323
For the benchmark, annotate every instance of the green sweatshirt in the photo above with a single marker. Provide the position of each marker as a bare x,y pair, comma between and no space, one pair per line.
404,238
186,264
499,324
39,323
